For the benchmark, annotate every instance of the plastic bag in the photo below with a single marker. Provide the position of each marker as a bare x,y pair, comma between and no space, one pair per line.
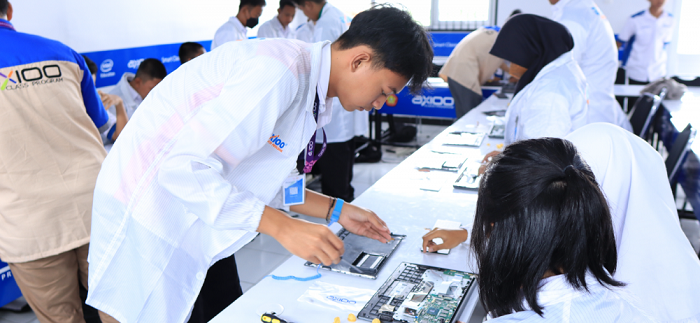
336,297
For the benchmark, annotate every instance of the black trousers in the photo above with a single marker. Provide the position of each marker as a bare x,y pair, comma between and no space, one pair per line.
221,288
335,168
465,99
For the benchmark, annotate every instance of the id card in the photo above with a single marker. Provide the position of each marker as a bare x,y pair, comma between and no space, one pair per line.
294,187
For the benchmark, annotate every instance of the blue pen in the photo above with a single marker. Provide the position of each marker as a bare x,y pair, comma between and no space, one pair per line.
515,135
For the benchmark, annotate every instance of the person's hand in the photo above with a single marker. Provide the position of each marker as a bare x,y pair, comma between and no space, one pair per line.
364,222
450,239
109,100
487,160
312,242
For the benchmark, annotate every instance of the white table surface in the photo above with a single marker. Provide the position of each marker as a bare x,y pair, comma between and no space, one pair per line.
398,200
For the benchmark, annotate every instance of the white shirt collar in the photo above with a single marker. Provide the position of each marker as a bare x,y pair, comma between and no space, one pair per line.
238,25
325,105
558,9
132,93
276,22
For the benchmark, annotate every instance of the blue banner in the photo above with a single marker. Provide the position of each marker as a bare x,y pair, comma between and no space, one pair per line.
112,64
436,102
445,42
9,291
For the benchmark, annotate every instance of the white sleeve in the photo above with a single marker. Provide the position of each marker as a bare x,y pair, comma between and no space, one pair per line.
547,115
194,174
222,36
266,30
627,31
580,36
326,31
669,35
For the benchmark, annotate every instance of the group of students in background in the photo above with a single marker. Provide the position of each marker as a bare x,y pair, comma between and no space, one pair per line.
564,218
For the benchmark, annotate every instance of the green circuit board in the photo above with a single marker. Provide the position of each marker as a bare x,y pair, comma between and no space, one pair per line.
437,309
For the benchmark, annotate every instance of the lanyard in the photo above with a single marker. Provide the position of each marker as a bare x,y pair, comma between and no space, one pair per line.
309,158
6,25
321,12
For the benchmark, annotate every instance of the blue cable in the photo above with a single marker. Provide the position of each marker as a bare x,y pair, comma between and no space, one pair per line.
334,219
301,279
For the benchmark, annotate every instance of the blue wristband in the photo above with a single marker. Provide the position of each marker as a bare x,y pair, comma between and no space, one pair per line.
336,211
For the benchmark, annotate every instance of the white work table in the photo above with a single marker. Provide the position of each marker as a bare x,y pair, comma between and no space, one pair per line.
398,200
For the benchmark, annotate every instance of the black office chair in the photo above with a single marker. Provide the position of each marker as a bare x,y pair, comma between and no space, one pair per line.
643,112
678,151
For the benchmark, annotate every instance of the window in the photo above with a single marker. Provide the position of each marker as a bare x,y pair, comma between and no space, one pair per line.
419,9
684,51
352,7
688,27
448,14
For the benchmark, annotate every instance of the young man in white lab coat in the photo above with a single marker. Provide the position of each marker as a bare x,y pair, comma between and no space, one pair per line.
596,54
235,28
201,168
133,88
278,26
649,32
337,164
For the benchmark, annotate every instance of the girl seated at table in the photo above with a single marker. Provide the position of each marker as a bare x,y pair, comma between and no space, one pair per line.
543,239
656,262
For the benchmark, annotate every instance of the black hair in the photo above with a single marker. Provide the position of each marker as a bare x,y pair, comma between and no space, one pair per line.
252,3
3,7
398,42
301,2
284,3
539,210
151,68
188,51
515,12
90,64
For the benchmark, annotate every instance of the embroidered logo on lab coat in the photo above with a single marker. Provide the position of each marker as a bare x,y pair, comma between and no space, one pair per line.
276,142
391,100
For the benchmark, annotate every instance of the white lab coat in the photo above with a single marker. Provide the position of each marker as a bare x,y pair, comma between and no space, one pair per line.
231,30
187,181
305,32
595,52
129,96
552,105
344,125
273,29
563,303
654,257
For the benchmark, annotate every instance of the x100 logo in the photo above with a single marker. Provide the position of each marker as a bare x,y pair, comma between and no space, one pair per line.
18,79
433,101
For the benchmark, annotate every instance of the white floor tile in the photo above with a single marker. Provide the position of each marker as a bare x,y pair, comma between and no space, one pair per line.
11,317
253,265
266,243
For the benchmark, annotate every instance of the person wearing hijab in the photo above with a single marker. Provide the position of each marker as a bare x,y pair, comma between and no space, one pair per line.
551,95
655,259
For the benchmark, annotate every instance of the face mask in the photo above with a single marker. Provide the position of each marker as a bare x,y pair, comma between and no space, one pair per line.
252,22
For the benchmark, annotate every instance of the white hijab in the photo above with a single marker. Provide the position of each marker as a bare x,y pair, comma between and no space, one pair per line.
655,259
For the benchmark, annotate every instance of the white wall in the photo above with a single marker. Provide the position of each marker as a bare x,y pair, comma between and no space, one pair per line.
95,25
617,11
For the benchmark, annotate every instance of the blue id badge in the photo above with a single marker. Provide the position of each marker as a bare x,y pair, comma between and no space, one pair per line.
294,188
